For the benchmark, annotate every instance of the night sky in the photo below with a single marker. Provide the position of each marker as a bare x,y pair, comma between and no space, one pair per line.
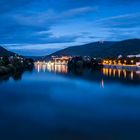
38,27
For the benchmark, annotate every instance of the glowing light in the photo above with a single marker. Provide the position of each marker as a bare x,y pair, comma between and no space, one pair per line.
114,72
114,62
102,83
132,75
44,68
38,68
124,73
125,61
119,62
119,73
51,67
110,72
132,61
106,71
110,62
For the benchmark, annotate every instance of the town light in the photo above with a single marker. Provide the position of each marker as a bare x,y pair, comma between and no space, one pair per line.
132,61
119,62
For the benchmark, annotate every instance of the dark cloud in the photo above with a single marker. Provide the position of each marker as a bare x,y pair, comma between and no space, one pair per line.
121,21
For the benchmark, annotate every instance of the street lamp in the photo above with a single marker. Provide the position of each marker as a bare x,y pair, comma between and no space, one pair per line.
132,61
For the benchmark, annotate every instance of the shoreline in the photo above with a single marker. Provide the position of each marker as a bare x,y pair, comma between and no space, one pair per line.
12,69
8,70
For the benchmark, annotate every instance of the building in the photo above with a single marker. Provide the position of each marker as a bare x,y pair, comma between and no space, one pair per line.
138,64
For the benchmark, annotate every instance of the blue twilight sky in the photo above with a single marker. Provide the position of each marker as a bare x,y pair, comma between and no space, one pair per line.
38,27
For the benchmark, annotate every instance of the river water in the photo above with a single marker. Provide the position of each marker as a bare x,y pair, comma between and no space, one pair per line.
56,104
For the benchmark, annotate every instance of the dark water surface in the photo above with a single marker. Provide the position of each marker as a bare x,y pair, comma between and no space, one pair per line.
79,105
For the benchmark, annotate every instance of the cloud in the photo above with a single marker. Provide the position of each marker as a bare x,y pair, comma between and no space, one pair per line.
77,11
124,16
34,27
120,21
50,16
66,22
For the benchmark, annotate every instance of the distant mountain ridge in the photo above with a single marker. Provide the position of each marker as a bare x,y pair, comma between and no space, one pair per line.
102,49
4,52
95,49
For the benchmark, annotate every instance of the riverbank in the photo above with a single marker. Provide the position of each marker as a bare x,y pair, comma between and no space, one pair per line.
84,62
9,69
14,65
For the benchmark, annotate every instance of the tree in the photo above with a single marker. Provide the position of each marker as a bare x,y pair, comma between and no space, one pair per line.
6,60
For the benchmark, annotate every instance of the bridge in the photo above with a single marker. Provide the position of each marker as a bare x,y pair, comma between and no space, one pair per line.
58,64
63,60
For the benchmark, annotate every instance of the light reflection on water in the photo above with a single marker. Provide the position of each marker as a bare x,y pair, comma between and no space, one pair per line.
52,68
119,73
53,103
108,72
102,77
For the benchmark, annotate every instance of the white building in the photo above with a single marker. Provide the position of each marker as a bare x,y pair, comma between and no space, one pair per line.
130,56
138,64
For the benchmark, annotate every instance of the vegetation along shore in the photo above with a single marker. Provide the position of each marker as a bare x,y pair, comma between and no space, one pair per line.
14,64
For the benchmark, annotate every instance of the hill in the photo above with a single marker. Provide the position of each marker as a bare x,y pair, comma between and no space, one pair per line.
102,49
4,52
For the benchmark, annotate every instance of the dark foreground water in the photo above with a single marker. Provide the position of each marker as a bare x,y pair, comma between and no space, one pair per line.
80,105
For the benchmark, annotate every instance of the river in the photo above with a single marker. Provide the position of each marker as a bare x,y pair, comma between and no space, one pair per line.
56,104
